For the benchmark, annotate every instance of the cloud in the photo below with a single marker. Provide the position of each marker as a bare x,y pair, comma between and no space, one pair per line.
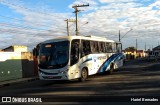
116,1
104,17
123,15
35,24
156,4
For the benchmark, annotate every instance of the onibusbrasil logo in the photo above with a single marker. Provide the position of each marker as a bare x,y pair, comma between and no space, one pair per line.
20,99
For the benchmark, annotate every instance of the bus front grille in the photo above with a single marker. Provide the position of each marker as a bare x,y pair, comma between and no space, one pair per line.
52,77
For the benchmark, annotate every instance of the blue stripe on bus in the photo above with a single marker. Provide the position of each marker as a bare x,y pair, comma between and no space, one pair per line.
121,56
89,59
104,66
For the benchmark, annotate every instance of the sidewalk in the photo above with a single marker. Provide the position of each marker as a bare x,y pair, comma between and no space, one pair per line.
17,81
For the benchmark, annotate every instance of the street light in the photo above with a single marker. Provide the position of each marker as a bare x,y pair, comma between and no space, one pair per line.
124,34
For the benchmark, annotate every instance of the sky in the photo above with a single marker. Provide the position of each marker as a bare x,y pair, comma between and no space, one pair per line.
29,22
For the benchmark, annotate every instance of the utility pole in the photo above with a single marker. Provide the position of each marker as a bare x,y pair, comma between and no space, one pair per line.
136,45
67,27
145,46
76,14
136,48
119,36
67,21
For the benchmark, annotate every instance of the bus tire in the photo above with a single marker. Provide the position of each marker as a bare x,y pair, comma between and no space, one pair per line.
111,68
84,75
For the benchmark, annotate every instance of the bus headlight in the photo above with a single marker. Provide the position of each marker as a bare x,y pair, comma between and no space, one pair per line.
41,72
63,72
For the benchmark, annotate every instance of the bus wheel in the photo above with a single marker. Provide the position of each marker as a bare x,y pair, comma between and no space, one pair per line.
111,68
84,75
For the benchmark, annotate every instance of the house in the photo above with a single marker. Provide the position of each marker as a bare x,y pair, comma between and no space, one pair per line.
156,50
141,53
132,53
15,48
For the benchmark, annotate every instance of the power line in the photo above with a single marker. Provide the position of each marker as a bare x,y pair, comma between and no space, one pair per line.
20,26
124,34
19,29
30,9
20,20
15,27
16,32
25,32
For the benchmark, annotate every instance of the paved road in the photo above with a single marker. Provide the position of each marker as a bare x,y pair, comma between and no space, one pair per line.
135,79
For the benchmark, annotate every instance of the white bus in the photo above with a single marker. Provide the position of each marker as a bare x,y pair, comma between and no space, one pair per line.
77,57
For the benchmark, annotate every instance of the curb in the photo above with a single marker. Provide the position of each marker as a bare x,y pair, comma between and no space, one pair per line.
17,81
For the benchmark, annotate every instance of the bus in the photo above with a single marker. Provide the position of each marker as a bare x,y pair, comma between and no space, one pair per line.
77,57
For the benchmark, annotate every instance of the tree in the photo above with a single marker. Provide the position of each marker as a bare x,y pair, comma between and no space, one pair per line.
130,49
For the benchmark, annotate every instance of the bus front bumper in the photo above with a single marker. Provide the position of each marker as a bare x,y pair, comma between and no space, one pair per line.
53,76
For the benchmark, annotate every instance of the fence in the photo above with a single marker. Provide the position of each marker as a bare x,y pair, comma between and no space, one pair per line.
14,65
10,66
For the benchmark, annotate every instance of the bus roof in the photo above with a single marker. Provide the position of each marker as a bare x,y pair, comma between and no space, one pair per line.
62,38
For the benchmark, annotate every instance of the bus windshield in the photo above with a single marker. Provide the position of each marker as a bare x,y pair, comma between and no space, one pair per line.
54,55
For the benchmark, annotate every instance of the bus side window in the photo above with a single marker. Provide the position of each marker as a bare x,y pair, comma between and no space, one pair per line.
103,47
106,47
100,47
85,48
109,47
114,47
94,46
75,51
